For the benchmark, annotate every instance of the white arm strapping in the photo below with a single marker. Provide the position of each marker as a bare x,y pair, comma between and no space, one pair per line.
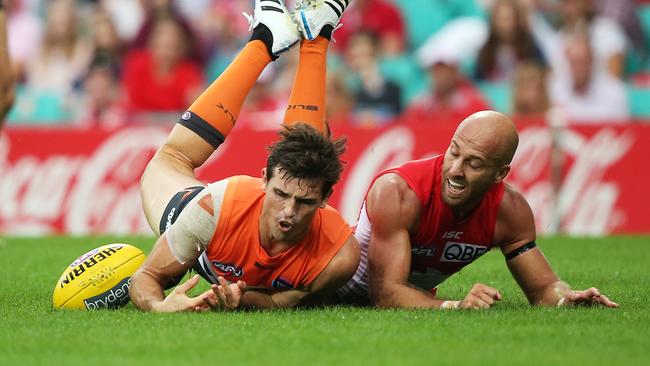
192,232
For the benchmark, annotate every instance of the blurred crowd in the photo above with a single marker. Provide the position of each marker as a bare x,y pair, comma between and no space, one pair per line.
115,62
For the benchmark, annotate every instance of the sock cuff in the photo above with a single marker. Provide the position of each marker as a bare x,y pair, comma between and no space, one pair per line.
263,34
202,128
326,32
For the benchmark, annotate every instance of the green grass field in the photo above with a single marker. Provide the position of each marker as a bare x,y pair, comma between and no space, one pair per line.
32,333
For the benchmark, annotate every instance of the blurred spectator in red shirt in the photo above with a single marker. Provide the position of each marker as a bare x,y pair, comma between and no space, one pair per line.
161,77
588,96
530,98
381,17
378,100
509,42
451,97
156,10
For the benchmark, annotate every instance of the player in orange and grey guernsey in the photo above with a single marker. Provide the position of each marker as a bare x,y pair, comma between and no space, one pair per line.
262,243
427,219
7,93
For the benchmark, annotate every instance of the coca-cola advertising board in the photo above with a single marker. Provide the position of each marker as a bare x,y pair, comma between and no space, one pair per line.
584,180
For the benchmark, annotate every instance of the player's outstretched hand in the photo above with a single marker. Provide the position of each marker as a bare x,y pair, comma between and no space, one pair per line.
225,295
177,300
480,297
588,297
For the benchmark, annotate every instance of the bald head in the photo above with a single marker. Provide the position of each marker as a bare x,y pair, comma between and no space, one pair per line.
494,132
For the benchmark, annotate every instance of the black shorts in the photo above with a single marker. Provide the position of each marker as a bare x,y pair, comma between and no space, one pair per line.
176,206
171,213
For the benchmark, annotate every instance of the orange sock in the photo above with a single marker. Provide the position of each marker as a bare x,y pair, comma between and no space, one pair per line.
307,100
218,107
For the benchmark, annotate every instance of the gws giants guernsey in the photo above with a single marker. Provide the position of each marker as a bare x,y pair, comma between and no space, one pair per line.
232,248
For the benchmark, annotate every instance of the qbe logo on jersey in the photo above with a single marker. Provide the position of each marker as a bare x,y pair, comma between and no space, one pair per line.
461,252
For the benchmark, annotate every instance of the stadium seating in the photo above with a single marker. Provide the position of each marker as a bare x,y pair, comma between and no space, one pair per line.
425,17
40,107
639,99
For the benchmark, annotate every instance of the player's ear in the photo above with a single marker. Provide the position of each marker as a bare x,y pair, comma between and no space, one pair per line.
264,181
503,172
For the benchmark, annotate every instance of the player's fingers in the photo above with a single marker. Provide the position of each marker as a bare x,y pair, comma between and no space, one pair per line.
473,302
592,292
487,298
482,304
492,292
480,288
192,303
211,303
242,286
222,281
575,296
202,307
604,300
225,287
221,296
587,296
188,285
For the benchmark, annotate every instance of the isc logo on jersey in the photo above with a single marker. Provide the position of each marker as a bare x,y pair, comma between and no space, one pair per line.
99,278
461,252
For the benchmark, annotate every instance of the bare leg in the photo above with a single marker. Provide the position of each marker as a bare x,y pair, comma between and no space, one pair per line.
199,132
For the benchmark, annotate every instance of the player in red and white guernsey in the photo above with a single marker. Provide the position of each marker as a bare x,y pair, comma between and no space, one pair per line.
427,219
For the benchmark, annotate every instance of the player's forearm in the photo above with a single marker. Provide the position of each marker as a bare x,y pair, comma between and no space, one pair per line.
145,292
402,296
257,300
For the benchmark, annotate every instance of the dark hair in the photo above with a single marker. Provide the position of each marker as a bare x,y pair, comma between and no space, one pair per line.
524,43
371,36
304,153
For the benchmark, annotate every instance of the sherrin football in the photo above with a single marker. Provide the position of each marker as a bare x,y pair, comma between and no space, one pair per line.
98,279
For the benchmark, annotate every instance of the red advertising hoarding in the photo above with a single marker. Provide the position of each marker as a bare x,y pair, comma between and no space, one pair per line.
73,181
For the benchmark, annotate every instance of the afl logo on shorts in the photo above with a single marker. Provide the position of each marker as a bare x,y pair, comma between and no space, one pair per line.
424,252
186,116
462,252
228,269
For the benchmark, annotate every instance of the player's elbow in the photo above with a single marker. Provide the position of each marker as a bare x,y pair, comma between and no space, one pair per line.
380,295
351,259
